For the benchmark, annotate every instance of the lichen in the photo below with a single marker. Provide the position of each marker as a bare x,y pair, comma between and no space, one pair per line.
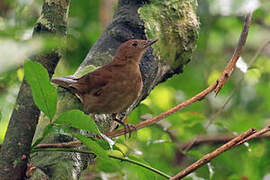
176,25
85,70
63,3
42,20
102,57
97,59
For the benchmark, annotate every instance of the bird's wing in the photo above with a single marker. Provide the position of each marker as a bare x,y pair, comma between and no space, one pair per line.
93,81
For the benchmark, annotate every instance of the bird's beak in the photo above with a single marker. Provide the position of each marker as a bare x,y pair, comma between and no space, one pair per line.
150,42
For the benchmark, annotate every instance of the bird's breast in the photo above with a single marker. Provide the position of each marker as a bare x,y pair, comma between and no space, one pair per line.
129,83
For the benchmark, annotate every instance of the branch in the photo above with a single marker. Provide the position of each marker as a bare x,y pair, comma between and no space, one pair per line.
250,134
237,53
22,125
255,135
216,139
214,87
70,144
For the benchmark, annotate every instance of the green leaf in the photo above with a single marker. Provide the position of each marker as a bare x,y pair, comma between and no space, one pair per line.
77,119
104,144
95,147
44,93
108,165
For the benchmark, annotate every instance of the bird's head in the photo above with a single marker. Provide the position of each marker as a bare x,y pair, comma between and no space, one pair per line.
134,49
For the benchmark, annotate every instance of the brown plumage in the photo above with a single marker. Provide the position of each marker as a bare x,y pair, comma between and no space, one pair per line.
113,87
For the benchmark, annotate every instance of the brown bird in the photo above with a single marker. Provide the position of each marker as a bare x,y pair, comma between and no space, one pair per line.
113,87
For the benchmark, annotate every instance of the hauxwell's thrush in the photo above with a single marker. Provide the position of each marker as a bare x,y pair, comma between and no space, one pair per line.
113,87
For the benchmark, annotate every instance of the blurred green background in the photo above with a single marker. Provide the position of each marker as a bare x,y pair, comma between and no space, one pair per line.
158,145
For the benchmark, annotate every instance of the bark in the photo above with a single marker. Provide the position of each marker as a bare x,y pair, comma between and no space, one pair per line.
177,29
17,143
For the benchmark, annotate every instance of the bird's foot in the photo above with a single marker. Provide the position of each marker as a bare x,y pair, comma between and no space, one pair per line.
128,127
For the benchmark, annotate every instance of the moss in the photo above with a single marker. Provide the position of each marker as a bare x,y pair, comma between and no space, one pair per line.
176,25
98,59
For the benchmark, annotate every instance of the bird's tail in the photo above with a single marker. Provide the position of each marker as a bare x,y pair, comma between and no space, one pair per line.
65,82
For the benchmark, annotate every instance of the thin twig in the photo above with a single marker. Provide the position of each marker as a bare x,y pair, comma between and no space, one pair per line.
231,65
255,135
71,144
111,156
258,52
208,157
215,139
83,151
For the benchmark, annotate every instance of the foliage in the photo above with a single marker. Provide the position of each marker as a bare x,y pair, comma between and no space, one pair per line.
44,93
77,119
155,146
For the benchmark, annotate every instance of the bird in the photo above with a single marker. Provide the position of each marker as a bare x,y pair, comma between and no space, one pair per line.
112,88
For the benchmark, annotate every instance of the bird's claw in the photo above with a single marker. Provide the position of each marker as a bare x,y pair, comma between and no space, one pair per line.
128,129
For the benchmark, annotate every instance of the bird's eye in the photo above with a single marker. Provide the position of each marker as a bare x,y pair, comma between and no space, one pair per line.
134,44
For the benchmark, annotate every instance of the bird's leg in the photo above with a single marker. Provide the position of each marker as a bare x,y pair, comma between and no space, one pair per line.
128,127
